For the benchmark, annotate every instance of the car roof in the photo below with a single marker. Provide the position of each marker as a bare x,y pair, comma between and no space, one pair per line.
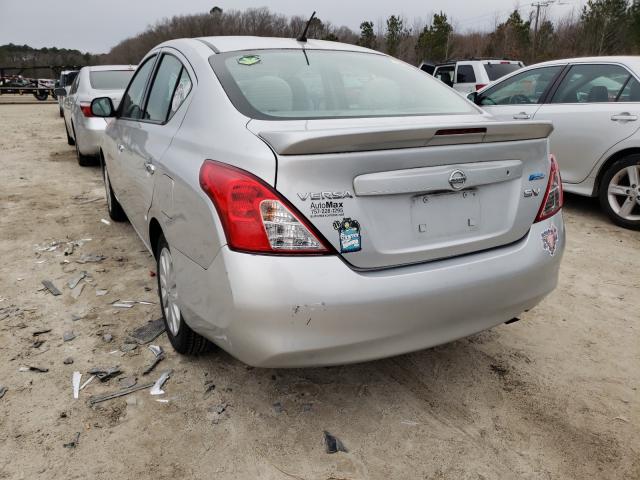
236,43
102,68
623,59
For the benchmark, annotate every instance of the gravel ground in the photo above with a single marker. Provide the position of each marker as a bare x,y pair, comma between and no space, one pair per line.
554,396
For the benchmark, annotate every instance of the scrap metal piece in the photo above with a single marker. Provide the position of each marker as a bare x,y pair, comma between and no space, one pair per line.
101,293
51,287
87,382
40,332
73,443
105,374
148,332
122,305
159,356
30,368
333,444
3,390
121,393
75,280
157,387
75,382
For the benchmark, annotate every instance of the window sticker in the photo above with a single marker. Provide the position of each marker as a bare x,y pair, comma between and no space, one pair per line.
349,233
249,60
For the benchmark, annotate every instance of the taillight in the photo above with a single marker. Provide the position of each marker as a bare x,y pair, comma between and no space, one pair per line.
553,196
480,86
86,109
256,218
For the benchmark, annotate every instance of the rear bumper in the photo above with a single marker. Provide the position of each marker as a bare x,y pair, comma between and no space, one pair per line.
293,312
89,133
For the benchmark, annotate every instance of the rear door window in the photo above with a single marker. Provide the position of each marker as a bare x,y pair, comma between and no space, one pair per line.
592,84
465,74
131,106
445,74
163,89
521,89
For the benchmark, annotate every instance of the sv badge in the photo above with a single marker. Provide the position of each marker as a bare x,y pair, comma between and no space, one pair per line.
531,192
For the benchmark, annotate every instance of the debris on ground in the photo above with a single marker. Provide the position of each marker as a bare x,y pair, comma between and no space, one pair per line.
73,443
87,382
159,356
40,332
51,287
38,343
75,382
209,386
9,311
157,387
75,280
107,338
101,292
91,258
68,336
127,382
128,347
121,393
105,221
3,390
77,291
105,374
148,332
68,361
307,407
277,407
333,444
31,368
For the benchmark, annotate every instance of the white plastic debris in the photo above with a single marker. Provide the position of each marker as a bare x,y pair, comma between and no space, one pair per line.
105,221
75,381
87,382
157,387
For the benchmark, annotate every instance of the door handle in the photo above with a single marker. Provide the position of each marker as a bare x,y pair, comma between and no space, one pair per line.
150,168
120,148
521,116
624,117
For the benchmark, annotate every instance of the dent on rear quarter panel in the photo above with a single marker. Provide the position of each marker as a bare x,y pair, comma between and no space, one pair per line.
212,129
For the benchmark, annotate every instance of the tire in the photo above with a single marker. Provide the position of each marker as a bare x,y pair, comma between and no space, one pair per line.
182,338
619,192
116,213
62,113
41,95
70,141
83,160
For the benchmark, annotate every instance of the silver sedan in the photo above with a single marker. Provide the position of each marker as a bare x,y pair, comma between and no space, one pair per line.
315,203
83,129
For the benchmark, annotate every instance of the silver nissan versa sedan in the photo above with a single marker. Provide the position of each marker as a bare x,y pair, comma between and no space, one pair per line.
316,203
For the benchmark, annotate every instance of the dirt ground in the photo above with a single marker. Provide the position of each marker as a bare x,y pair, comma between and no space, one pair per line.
554,396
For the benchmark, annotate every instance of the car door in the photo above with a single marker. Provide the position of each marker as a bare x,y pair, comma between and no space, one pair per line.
149,136
465,78
591,110
519,96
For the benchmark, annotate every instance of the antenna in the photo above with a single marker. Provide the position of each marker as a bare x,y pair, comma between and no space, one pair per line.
303,37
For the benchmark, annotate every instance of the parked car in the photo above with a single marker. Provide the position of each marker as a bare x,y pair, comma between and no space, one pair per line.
320,203
83,129
467,76
594,104
66,79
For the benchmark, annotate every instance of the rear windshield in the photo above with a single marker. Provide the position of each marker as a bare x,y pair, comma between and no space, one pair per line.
497,70
110,79
296,84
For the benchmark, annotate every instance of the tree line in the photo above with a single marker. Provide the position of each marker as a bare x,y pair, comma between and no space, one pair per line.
601,27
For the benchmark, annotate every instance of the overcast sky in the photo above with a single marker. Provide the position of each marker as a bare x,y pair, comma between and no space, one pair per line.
97,25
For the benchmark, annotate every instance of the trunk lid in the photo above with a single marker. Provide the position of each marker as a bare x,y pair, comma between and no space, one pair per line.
388,192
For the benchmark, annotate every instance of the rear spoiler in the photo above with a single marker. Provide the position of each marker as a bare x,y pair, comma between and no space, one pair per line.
301,142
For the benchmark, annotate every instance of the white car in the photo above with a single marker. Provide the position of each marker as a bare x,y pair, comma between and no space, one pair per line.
466,76
594,104
83,129
66,79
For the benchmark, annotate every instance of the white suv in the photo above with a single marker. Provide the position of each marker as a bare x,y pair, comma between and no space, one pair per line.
467,76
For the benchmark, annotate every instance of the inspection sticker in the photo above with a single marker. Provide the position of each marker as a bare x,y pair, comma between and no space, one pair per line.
349,233
249,60
550,240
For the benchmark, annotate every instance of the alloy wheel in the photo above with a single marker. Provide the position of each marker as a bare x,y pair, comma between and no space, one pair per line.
169,291
624,193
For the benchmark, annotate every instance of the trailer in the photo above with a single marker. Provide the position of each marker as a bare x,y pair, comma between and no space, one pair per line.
12,81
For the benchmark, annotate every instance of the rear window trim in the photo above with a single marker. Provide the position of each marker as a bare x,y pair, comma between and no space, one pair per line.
242,105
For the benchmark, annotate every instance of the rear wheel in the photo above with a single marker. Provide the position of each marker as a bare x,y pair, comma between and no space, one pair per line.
620,192
61,112
182,338
116,213
83,160
41,95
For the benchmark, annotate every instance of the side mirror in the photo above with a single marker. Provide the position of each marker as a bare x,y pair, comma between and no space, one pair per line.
102,107
60,91
473,96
